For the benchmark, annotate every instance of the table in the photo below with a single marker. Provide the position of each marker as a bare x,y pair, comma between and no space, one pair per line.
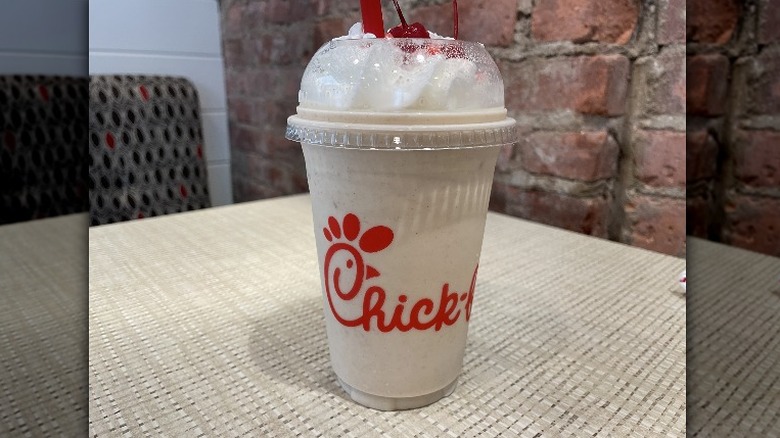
734,342
733,338
210,323
43,327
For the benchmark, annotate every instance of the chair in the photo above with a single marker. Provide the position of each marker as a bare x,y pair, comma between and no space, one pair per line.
43,162
146,148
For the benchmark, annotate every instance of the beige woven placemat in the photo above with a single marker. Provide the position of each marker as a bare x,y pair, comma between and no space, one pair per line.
43,330
209,324
734,342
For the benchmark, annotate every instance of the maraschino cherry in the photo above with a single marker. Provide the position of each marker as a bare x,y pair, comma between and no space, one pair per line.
417,30
404,30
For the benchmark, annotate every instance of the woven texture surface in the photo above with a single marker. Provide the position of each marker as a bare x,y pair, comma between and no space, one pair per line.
43,330
146,148
210,323
734,342
43,161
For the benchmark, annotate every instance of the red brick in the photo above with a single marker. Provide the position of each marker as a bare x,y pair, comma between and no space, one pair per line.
707,89
233,19
289,83
274,145
328,29
671,22
282,47
584,156
701,157
768,21
322,7
235,82
581,21
263,45
436,18
666,84
660,158
593,85
251,189
300,181
274,112
258,167
244,139
281,176
261,81
751,223
757,160
257,176
259,13
233,52
247,169
266,82
764,85
499,194
711,21
349,10
657,223
255,17
239,192
699,216
256,81
491,22
584,215
238,164
506,157
240,110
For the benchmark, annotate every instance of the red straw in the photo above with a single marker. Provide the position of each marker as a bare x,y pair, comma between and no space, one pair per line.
372,17
455,17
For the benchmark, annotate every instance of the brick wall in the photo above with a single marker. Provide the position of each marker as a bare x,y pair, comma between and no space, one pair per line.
266,45
597,86
733,107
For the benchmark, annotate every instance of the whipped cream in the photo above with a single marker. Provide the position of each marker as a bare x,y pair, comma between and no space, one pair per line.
355,32
361,72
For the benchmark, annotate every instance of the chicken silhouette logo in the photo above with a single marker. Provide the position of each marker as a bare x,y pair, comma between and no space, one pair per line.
348,278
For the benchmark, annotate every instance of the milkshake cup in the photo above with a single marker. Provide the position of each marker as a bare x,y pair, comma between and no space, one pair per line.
400,138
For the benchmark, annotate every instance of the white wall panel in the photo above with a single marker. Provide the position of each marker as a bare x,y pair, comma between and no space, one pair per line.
221,194
176,38
50,26
160,26
215,133
47,37
43,64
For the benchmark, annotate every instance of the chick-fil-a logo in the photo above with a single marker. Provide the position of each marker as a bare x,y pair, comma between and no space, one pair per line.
347,242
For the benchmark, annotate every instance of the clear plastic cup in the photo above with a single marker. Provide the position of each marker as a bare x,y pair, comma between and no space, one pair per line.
400,147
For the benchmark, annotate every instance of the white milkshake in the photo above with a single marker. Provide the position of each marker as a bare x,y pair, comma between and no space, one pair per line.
400,138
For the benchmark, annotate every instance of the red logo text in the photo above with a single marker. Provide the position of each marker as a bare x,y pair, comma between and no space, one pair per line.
348,281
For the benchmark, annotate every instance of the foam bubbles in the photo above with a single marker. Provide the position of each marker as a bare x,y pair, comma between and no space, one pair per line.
401,75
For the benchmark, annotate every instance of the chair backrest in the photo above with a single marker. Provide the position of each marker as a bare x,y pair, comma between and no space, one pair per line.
43,162
146,148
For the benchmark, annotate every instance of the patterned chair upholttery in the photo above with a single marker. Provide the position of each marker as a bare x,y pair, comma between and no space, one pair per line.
43,162
146,148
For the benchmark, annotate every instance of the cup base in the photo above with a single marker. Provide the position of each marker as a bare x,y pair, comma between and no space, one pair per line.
396,403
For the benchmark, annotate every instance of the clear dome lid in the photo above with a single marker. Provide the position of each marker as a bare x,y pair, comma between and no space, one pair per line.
402,93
